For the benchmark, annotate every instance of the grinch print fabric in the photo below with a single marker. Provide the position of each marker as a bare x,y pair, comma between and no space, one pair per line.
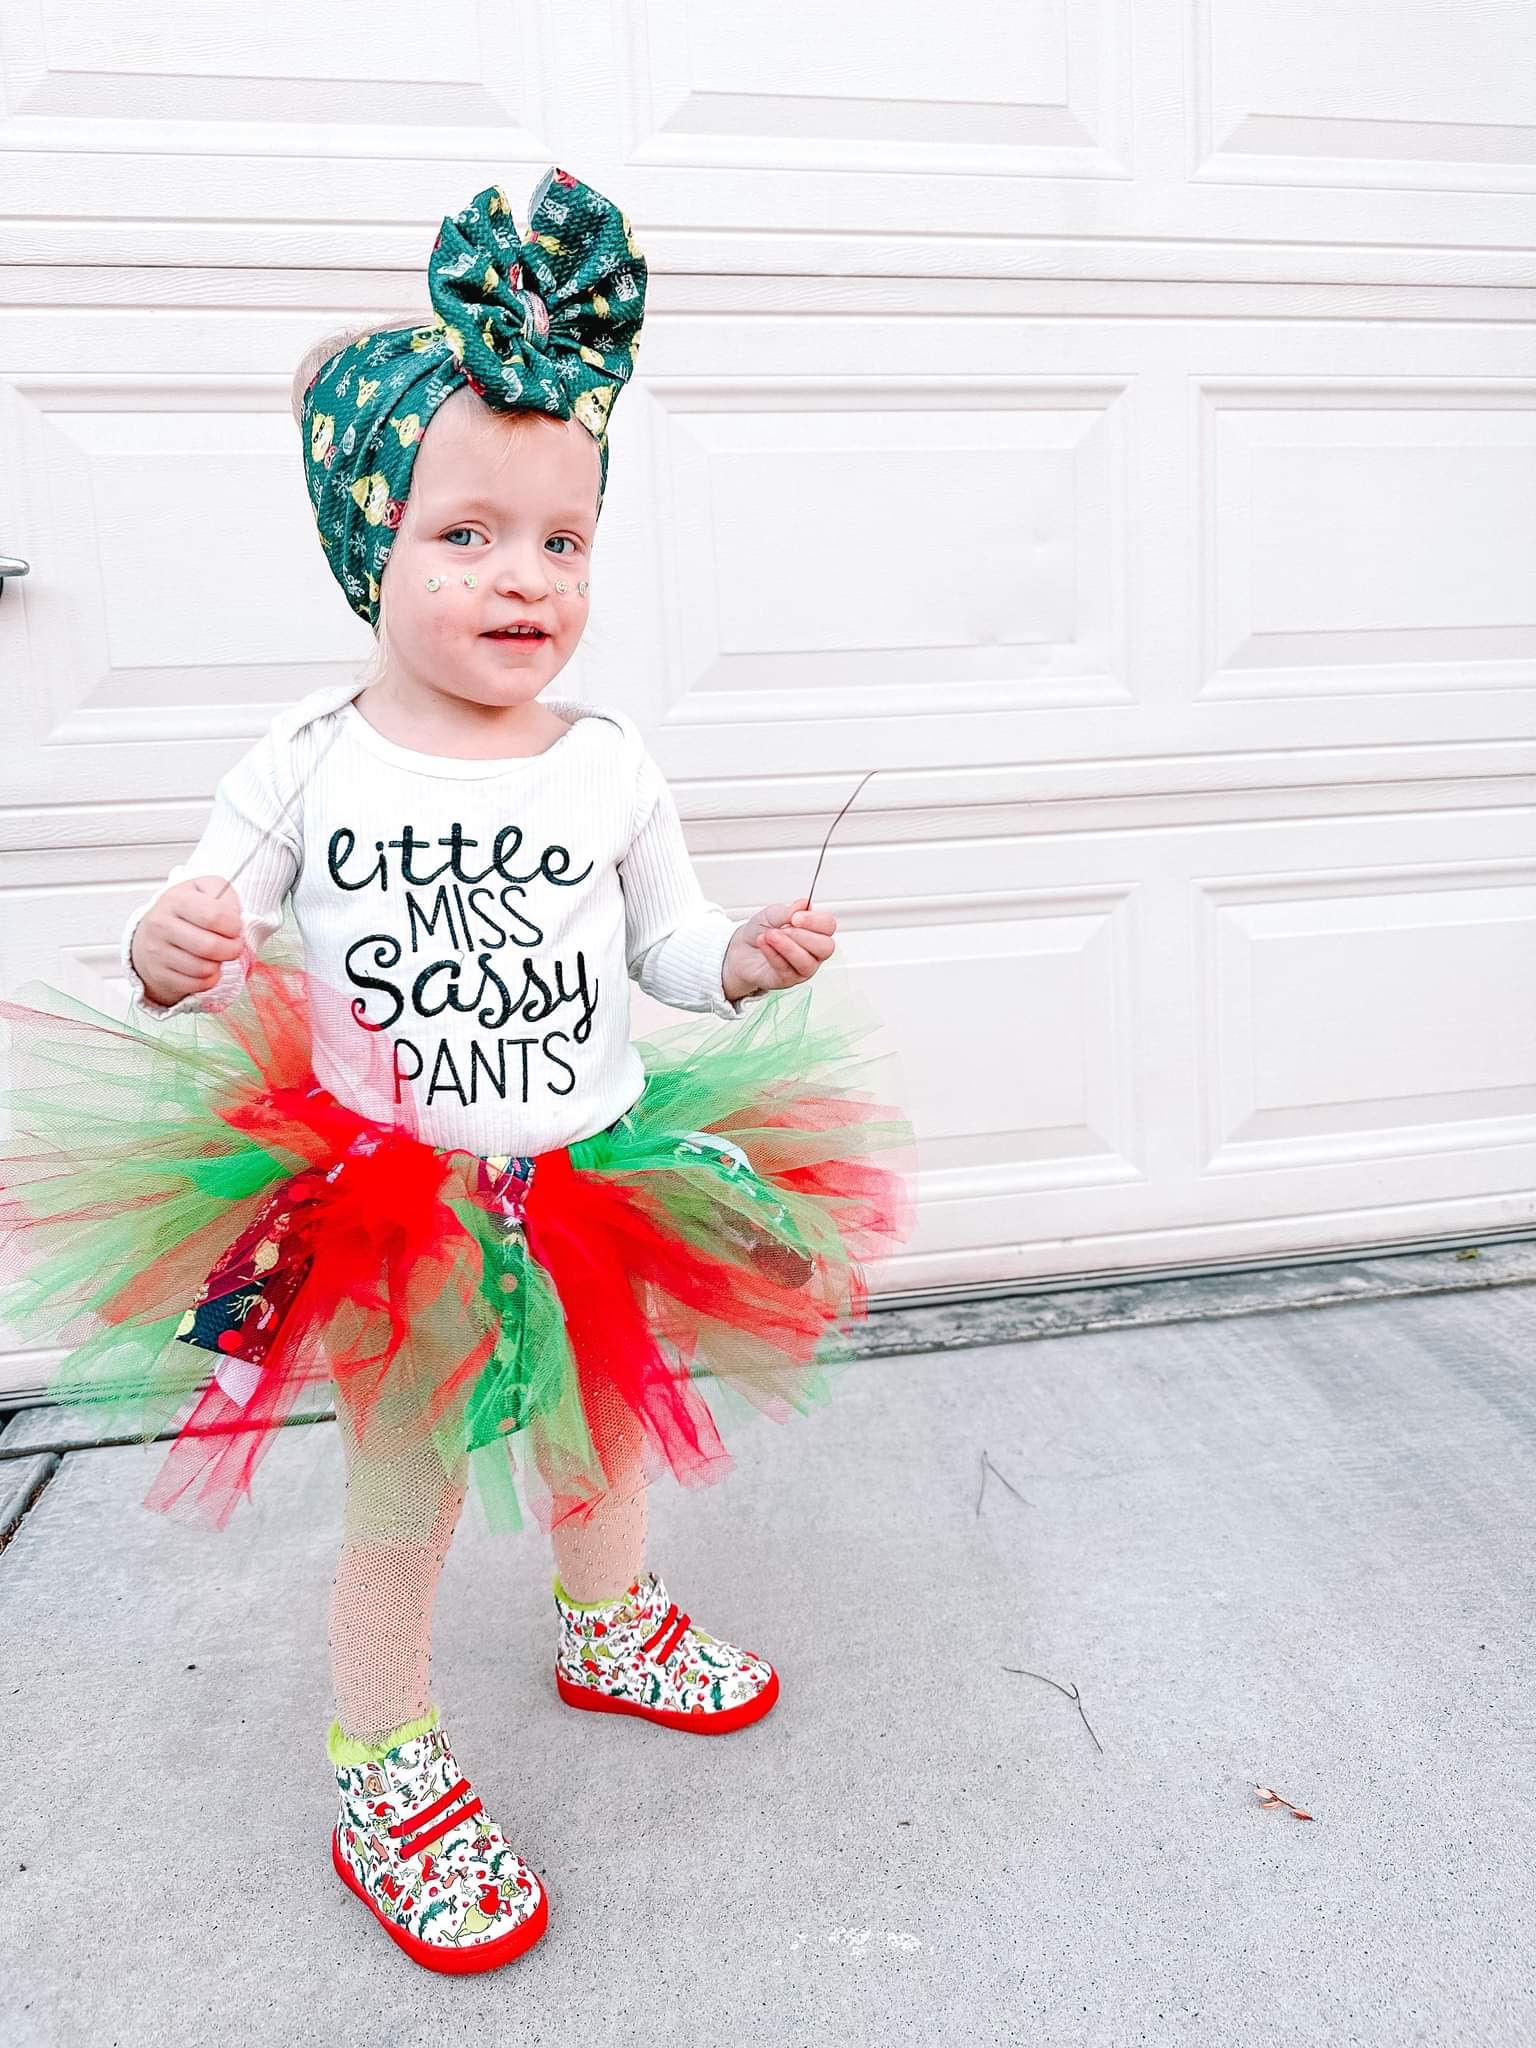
601,1647
241,1308
464,1889
545,322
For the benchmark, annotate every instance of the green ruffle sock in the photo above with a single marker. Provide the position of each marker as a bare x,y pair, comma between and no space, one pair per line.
346,1752
588,1606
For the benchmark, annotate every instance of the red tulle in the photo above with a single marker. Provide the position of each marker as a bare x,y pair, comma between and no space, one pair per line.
597,1251
386,1256
386,1295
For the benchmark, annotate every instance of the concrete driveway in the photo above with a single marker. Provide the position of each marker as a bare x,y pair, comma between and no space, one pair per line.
1284,1549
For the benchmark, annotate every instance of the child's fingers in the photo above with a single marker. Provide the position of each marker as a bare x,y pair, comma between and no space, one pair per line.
815,943
190,966
171,988
212,902
791,950
203,945
814,921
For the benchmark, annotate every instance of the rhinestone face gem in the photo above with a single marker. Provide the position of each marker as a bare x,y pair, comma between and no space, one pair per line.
434,583
471,580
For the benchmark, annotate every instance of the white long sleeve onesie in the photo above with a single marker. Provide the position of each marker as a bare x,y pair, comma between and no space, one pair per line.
478,920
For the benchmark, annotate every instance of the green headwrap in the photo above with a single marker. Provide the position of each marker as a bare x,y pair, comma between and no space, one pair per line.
548,322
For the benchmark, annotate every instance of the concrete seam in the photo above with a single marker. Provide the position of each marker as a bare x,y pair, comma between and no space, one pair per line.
34,1493
899,1333
118,1443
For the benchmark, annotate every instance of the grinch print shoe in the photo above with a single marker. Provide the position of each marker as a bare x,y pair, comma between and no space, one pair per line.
642,1655
414,1844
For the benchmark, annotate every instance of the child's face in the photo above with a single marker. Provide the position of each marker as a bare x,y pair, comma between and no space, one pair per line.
510,499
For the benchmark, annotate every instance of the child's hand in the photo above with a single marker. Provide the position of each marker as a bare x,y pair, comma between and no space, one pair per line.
775,948
180,943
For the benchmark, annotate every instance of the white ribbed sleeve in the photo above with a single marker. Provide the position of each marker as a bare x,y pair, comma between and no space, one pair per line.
252,839
674,940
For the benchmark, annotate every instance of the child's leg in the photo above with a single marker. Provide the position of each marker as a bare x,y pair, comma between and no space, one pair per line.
626,1647
412,1840
401,1512
600,1553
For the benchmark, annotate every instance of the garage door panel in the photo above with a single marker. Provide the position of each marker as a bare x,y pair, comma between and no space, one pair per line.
1339,1023
866,548
1183,1035
1018,134
61,921
1368,540
159,525
1024,88
1319,94
1091,1234
76,64
1009,1018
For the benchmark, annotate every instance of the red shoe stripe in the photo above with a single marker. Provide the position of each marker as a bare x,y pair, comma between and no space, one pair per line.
413,1821
651,1641
440,1828
676,1637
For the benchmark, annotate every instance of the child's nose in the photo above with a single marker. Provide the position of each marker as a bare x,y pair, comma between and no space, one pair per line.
523,571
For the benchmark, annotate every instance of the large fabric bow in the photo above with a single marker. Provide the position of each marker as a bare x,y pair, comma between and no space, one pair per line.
546,322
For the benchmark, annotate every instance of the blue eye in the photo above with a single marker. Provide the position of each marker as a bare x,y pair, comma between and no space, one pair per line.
457,529
562,537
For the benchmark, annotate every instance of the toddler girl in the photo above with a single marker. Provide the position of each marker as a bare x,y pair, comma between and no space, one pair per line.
427,1171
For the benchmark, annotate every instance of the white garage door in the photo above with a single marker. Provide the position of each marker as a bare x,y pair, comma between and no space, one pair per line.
1116,424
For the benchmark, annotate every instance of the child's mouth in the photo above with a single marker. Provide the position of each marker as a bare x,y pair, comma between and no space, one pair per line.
531,636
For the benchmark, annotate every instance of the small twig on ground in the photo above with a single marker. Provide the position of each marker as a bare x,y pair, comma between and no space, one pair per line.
1071,1692
1270,1801
988,1466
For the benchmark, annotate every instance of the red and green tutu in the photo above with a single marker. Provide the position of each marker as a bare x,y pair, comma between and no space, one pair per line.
222,1244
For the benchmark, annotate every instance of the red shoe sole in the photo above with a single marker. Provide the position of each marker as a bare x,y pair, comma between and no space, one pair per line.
451,1962
700,1723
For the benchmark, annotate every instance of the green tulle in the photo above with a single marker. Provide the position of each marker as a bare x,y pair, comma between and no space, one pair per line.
716,1079
124,1186
115,1165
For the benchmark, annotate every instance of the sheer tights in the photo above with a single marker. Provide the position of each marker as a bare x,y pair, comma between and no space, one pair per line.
386,1582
